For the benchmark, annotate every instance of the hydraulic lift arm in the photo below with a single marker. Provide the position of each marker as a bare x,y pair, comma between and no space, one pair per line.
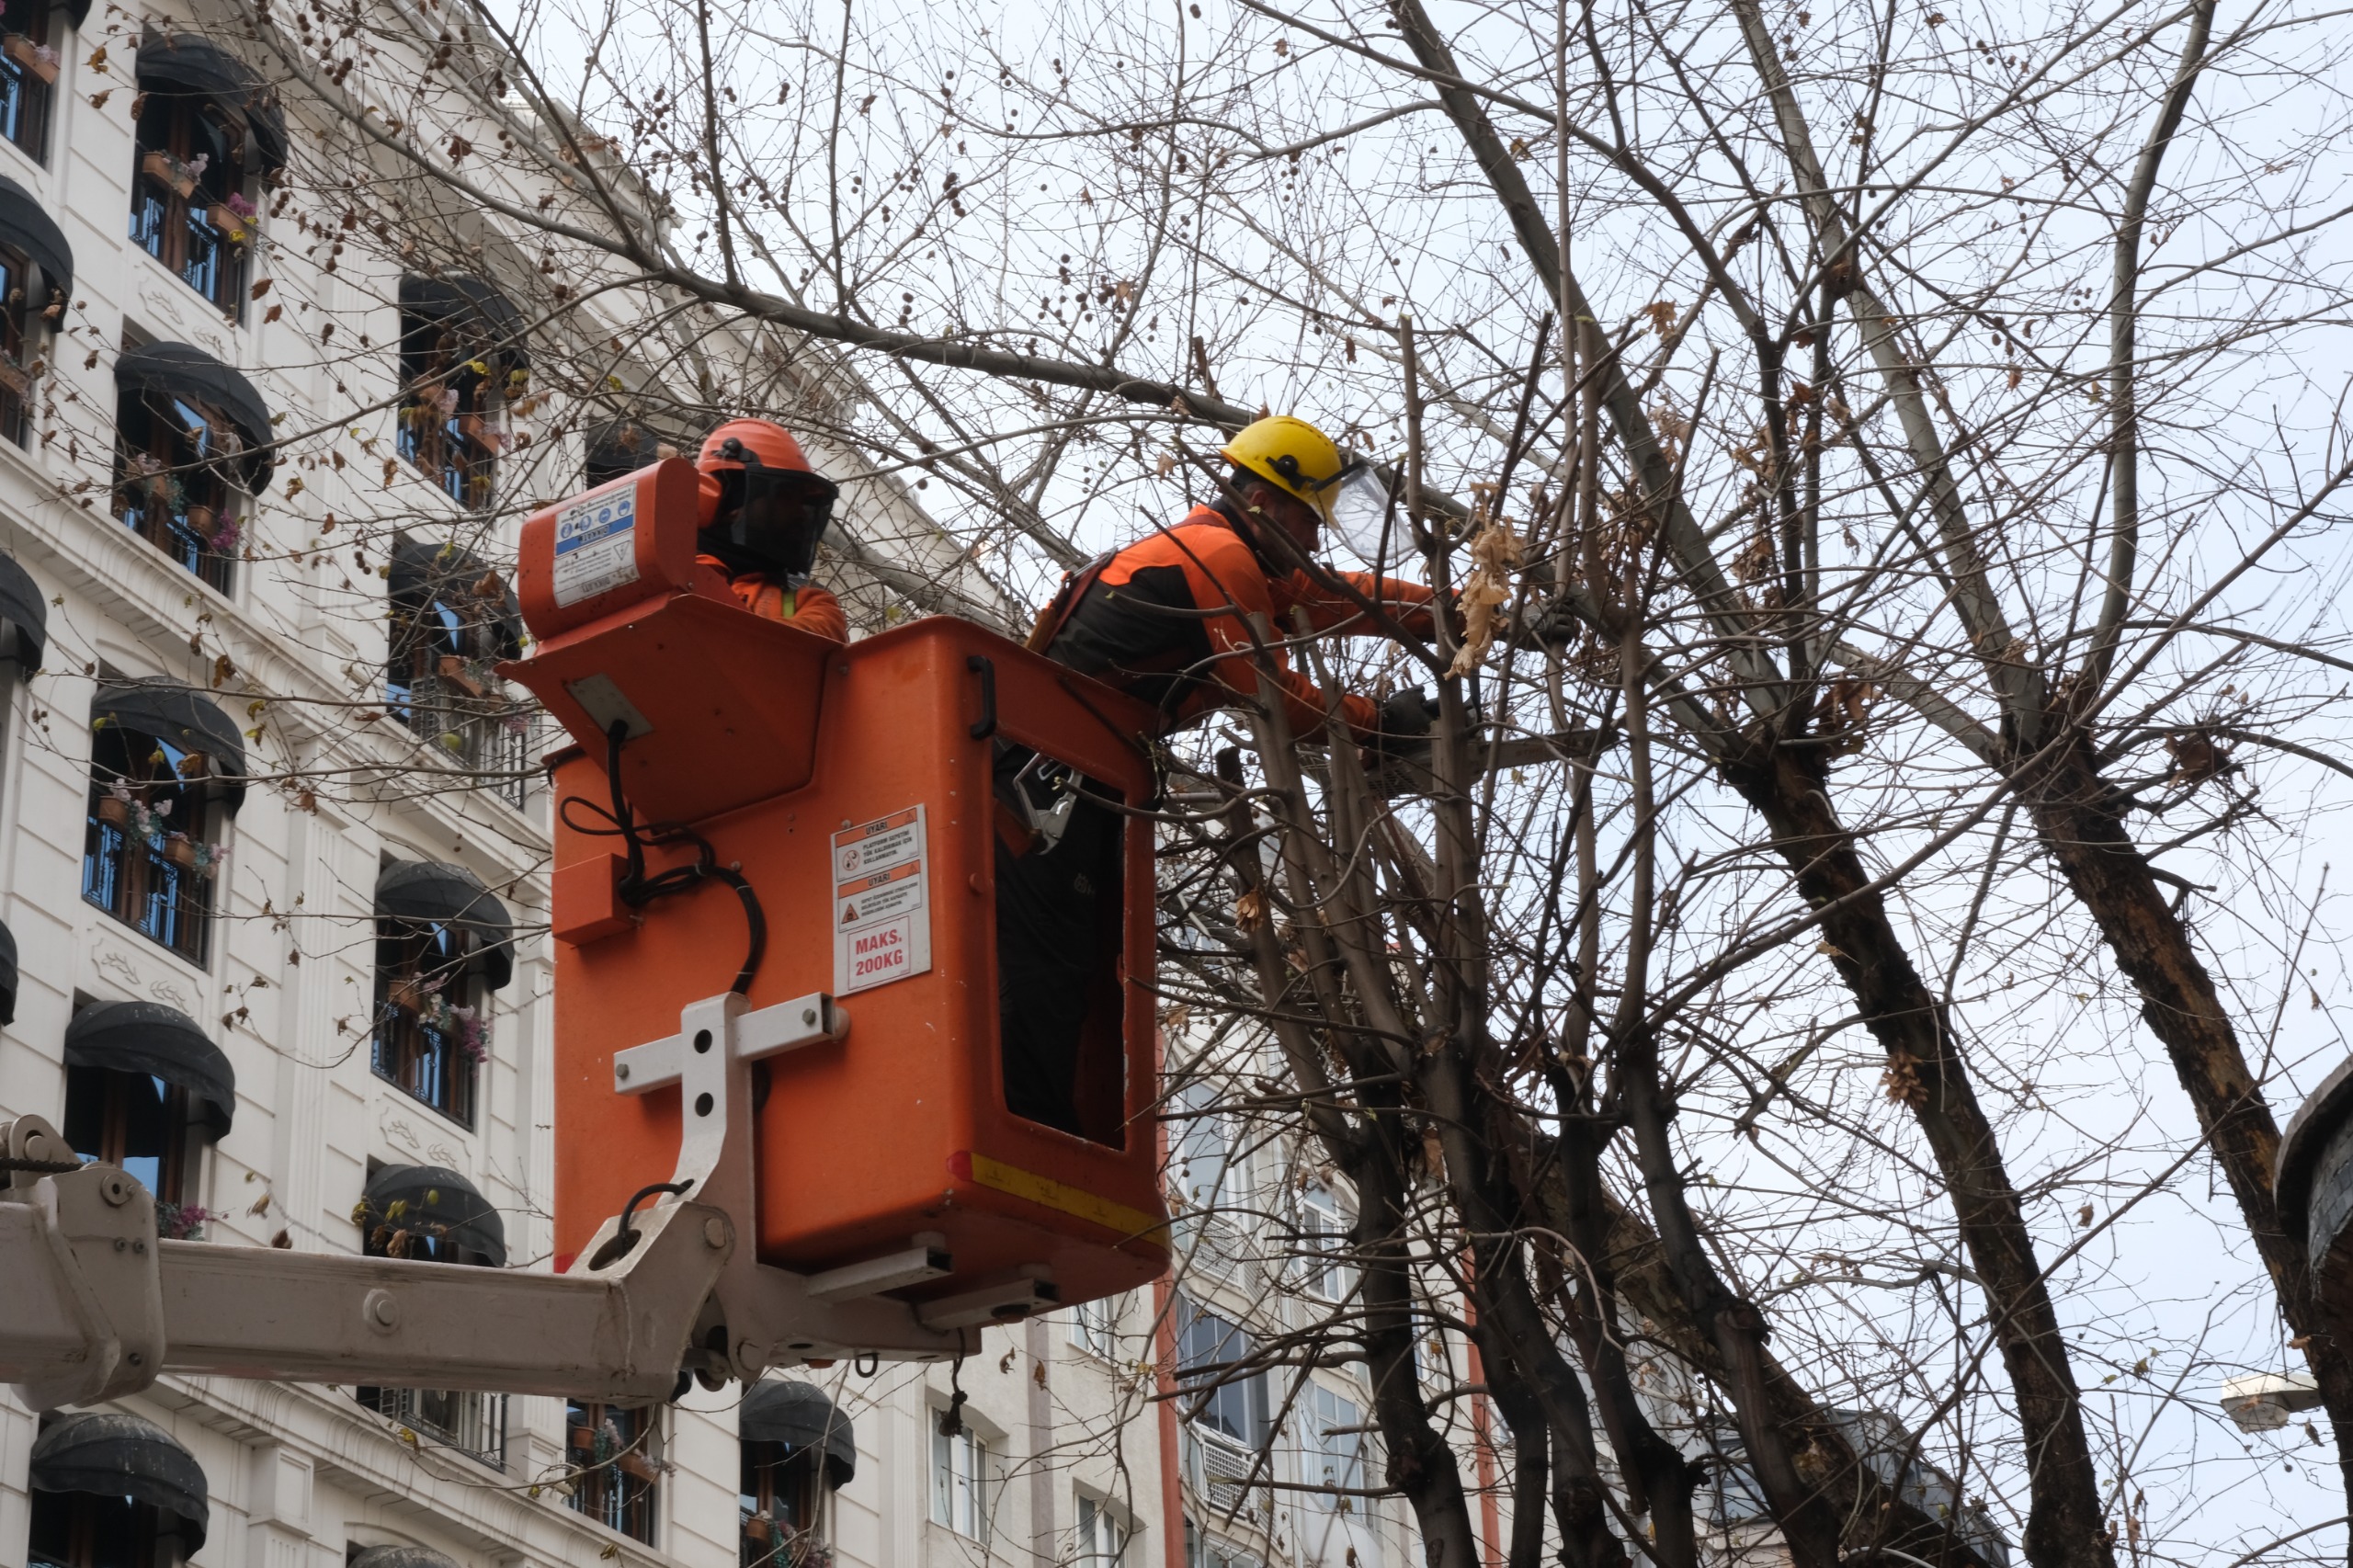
93,1305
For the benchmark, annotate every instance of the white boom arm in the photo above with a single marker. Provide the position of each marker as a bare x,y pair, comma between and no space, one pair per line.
93,1305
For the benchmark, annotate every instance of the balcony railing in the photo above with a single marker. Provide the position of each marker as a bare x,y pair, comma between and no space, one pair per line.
1215,1467
474,728
473,1424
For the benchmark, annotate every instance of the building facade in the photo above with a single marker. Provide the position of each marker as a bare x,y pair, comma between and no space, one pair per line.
273,870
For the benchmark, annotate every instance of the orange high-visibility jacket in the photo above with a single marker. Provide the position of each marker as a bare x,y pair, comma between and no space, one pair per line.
1122,630
809,607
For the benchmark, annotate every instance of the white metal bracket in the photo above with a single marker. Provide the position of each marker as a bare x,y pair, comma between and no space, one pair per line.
93,1306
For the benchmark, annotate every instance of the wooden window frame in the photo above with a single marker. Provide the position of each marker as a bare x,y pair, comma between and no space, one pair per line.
454,441
174,227
139,881
773,1475
623,1491
17,316
27,104
149,1534
430,1064
160,454
438,684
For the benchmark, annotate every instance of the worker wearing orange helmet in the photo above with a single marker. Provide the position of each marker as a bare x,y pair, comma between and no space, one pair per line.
763,508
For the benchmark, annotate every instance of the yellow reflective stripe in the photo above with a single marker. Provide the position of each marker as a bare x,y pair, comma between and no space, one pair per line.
1067,1200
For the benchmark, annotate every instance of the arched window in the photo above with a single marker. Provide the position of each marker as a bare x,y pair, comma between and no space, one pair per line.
463,362
36,281
192,439
209,133
797,1450
166,771
453,620
617,1455
31,54
436,1215
442,946
617,447
145,1090
112,1490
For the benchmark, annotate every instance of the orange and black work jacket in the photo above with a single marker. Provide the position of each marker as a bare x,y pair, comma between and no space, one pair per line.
1136,627
808,606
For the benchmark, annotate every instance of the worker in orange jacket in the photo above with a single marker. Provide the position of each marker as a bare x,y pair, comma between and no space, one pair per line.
1167,619
763,508
1136,620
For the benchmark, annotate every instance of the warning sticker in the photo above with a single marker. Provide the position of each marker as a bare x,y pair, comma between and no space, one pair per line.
596,545
882,902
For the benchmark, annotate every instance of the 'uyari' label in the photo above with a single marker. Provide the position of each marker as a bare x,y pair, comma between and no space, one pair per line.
596,545
881,902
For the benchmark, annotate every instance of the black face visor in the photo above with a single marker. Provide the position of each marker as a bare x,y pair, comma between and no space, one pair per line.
770,519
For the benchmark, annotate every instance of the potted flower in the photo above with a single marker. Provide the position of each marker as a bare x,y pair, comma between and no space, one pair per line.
181,175
455,671
224,219
38,58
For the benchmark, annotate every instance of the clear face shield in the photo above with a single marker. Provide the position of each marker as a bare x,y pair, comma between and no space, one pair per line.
1362,518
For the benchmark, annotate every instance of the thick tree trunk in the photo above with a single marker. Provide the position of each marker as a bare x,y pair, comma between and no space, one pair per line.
2079,818
1625,1246
2064,1525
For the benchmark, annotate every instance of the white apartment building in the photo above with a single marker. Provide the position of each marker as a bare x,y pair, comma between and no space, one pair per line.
308,1009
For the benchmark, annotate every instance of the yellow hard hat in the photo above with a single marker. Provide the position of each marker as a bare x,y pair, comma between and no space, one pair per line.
1291,455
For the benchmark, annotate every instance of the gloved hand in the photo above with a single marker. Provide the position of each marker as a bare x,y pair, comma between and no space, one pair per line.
1553,624
1403,726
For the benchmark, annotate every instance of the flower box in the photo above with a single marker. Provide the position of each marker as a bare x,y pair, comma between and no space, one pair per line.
15,378
483,429
170,171
114,811
228,221
180,851
452,670
636,1464
203,521
42,62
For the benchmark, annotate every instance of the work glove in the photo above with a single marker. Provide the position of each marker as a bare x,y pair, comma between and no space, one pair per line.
1553,624
1403,728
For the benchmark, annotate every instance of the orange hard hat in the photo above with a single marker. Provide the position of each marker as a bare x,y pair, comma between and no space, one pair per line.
765,439
762,508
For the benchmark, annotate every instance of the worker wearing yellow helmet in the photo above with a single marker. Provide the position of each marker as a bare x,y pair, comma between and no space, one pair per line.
1165,620
1240,555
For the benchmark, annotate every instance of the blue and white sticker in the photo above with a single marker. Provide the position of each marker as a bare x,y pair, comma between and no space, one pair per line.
596,545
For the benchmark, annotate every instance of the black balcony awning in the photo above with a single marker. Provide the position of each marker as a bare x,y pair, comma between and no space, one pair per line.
403,1557
27,225
161,1042
424,573
442,894
184,370
476,300
24,613
432,1201
172,713
121,1456
618,447
186,64
7,975
802,1417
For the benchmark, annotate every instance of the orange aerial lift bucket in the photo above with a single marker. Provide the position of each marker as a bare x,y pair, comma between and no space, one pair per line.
860,791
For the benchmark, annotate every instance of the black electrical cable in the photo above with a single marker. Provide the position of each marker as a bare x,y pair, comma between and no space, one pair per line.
637,888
